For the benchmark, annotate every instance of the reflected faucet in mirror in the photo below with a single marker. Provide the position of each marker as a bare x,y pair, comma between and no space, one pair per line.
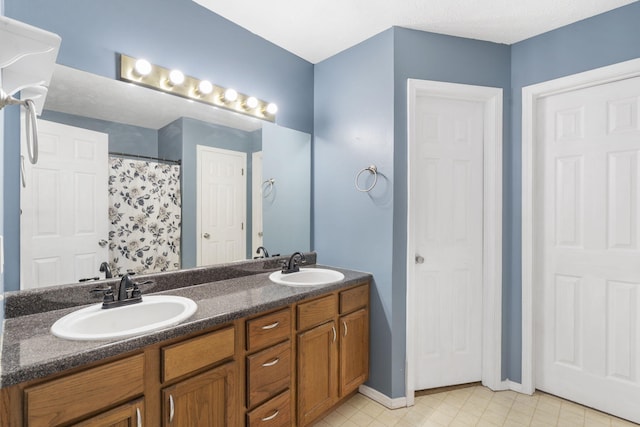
133,121
104,268
265,253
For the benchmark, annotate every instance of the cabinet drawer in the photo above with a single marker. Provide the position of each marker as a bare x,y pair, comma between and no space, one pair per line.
354,298
189,356
268,372
274,413
74,396
269,329
317,311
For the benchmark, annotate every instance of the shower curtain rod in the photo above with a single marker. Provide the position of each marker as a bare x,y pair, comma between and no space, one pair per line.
138,156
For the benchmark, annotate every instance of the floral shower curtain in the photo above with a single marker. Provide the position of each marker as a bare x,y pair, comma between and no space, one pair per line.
144,216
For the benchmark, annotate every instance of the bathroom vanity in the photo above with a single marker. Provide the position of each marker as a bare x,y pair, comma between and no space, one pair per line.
255,353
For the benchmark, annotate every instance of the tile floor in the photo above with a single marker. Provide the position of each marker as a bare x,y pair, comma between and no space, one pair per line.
471,406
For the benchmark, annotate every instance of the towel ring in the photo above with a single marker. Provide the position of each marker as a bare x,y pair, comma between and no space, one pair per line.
267,187
374,171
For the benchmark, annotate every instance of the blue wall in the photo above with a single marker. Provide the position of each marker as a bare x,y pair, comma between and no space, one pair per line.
353,129
361,118
197,133
595,42
173,33
429,56
122,138
286,157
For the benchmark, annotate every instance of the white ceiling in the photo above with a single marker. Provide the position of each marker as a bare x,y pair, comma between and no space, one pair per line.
318,29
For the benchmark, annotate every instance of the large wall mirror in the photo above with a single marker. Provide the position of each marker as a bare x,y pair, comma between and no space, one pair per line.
147,182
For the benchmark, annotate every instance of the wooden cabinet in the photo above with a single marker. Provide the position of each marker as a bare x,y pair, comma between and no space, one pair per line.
274,413
128,415
317,371
332,358
354,350
269,369
207,399
284,368
79,395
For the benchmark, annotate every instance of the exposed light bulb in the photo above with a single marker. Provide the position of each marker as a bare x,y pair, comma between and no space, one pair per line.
230,95
142,67
205,87
176,77
272,108
252,102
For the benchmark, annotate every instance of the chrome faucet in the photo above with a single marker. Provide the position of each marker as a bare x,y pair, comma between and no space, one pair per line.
292,266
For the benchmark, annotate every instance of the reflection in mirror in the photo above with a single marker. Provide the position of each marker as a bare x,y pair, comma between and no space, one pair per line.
150,182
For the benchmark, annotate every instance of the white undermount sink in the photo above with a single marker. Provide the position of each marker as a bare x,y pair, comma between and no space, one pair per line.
153,313
307,277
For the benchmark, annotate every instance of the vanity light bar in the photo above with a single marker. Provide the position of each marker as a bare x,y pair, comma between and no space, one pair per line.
141,72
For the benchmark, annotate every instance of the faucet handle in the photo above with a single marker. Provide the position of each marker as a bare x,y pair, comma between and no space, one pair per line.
107,293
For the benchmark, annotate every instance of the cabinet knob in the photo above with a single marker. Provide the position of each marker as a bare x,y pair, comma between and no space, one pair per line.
102,243
419,259
206,235
139,417
345,327
171,408
333,328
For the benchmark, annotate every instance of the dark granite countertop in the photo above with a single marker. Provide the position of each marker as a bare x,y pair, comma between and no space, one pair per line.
30,351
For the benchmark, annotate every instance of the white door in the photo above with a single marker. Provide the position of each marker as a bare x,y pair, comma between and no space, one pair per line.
222,189
256,205
63,226
447,199
588,278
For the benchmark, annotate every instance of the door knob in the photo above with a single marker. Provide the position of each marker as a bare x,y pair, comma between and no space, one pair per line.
419,259
206,235
102,243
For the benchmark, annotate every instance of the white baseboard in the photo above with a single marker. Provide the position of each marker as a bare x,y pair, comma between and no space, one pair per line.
510,385
383,399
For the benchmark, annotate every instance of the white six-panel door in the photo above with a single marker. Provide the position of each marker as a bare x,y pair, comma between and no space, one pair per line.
587,330
63,226
448,198
221,217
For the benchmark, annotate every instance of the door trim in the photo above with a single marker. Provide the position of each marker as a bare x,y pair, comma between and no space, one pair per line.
530,96
492,225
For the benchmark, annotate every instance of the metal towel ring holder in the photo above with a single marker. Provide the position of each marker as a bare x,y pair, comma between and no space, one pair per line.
373,170
268,188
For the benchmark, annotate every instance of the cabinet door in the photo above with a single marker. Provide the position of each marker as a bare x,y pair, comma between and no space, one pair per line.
317,371
354,350
207,399
128,415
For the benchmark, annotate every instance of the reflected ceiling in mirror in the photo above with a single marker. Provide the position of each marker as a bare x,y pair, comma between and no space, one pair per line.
84,94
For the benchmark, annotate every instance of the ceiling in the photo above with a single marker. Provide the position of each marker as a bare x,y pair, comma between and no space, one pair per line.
318,29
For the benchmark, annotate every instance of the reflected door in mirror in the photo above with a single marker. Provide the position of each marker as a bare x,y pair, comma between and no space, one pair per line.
64,207
221,206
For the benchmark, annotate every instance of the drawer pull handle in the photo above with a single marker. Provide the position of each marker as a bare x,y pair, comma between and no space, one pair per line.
273,362
270,417
345,327
333,328
139,417
171,408
271,326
